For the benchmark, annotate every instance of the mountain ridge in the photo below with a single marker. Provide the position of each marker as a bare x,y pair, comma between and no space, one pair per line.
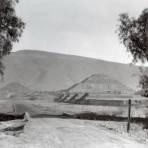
70,55
41,70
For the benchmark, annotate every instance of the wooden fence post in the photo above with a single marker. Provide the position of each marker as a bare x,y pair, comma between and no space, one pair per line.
129,115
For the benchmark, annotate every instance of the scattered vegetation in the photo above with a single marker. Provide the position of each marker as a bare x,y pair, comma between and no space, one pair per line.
136,131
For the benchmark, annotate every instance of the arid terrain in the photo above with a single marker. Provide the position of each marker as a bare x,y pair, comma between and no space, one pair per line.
63,93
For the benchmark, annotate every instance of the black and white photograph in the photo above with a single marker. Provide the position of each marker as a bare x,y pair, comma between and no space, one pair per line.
73,73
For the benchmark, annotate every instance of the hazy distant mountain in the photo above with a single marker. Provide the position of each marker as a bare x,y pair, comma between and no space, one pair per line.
12,90
40,70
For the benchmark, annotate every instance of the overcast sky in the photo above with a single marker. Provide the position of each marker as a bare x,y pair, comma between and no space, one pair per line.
78,27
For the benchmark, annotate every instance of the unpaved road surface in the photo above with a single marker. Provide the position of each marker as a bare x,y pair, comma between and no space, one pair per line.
66,133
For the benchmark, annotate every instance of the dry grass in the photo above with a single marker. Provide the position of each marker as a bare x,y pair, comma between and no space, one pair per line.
136,131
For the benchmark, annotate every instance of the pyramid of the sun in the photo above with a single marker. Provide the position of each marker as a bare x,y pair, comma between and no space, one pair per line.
100,84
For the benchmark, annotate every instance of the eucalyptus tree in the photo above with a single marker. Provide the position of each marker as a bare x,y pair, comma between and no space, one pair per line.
11,28
133,34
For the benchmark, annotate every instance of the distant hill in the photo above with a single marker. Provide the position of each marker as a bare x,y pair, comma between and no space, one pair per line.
15,87
42,71
12,90
17,91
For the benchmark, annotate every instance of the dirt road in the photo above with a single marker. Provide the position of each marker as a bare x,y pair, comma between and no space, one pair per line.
66,133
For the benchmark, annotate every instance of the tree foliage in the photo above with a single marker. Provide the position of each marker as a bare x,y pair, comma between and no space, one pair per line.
11,28
144,85
133,33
